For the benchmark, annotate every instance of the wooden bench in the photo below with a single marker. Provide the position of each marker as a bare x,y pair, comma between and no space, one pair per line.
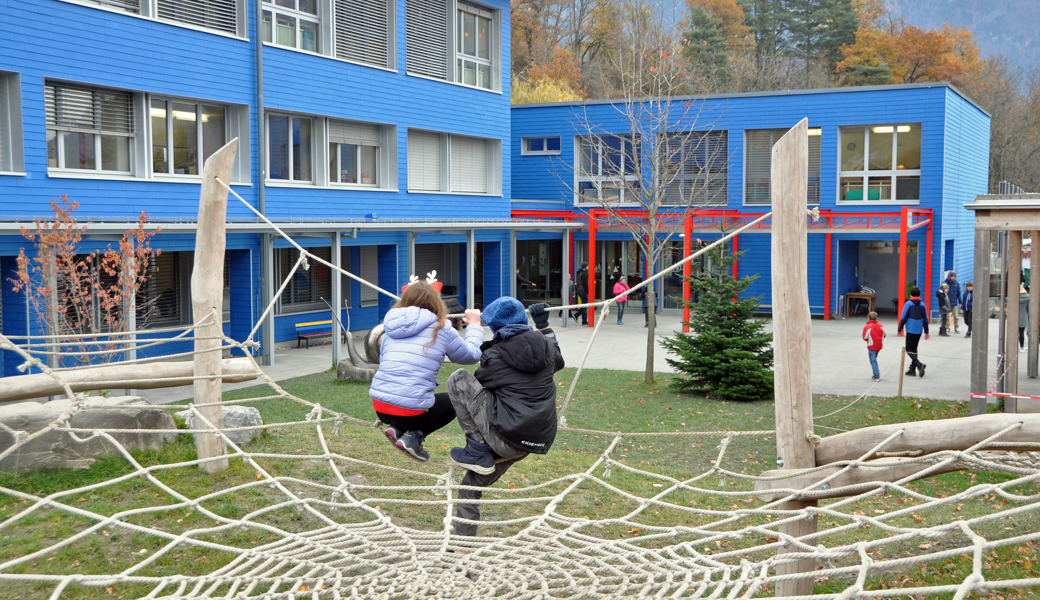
314,329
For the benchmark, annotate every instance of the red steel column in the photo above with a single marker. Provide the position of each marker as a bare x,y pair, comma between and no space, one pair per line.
928,265
901,292
593,221
687,245
827,278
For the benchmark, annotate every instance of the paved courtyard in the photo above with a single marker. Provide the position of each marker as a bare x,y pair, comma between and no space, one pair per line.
839,358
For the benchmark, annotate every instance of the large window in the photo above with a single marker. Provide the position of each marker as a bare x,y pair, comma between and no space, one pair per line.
185,134
290,148
354,150
758,152
369,272
89,129
881,163
698,168
474,37
11,156
453,41
606,164
293,23
308,286
365,31
439,162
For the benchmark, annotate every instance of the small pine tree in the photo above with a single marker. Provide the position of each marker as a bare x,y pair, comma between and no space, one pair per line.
727,354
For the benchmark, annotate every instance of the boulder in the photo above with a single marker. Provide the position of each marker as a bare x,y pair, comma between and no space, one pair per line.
347,371
234,416
58,449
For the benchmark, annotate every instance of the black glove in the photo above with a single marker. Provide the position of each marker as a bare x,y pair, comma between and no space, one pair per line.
540,315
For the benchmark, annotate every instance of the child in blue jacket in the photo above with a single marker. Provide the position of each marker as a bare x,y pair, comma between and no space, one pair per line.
915,319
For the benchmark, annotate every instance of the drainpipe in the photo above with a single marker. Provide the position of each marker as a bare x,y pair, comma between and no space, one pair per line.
266,258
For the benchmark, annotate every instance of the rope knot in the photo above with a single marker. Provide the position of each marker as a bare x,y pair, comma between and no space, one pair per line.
813,439
338,427
315,414
814,213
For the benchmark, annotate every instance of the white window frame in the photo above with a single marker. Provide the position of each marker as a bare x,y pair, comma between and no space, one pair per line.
461,8
97,171
357,167
453,54
813,132
317,153
386,155
598,179
12,153
525,145
866,173
200,142
493,147
148,10
320,20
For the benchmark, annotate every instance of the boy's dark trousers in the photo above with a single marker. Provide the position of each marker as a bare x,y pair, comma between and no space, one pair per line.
967,320
912,339
944,317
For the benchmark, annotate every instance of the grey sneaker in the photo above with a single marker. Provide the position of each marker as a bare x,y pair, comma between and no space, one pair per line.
411,443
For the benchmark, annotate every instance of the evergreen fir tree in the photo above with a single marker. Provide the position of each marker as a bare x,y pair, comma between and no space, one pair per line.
727,354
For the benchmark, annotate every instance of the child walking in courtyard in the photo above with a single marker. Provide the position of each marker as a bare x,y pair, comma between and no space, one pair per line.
915,319
873,335
967,300
944,309
620,288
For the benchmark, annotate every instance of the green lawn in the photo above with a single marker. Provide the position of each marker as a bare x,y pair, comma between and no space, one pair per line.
604,400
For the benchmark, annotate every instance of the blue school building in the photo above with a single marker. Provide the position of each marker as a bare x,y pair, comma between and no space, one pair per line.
379,134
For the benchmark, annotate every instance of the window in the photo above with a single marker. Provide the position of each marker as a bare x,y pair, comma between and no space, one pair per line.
131,6
354,153
883,160
218,15
89,129
758,152
369,272
473,46
12,159
469,165
698,168
424,161
443,258
180,131
290,148
539,145
605,164
308,286
426,29
364,31
296,24
439,162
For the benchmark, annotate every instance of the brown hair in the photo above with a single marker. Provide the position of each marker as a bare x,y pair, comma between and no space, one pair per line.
872,316
423,295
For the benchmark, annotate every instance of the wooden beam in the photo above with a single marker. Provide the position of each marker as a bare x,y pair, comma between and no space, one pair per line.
980,322
930,436
1033,332
207,297
1008,220
867,477
791,335
22,387
1014,281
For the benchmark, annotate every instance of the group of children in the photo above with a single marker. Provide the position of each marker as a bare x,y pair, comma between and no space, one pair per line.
914,319
506,408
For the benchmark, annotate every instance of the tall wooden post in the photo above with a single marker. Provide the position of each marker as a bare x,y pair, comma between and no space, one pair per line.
980,322
791,335
207,297
1014,281
1034,318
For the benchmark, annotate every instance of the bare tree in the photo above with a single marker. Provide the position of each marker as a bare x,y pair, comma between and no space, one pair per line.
662,157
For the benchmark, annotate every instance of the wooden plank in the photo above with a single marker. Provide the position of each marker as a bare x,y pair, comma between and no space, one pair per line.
1008,220
1034,320
22,387
870,476
980,322
207,297
1014,282
929,436
791,335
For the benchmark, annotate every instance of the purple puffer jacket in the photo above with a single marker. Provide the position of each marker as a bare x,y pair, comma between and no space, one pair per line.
408,369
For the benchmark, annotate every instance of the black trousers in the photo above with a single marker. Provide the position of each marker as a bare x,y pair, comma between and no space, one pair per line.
437,416
967,319
944,318
912,339
1021,337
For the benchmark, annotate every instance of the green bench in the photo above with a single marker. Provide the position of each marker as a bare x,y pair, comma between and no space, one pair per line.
314,329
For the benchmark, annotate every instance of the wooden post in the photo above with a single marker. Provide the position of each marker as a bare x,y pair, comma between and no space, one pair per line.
980,322
1034,319
207,297
1014,282
791,338
902,372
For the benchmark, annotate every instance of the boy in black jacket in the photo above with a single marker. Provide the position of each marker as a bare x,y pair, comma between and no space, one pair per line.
507,409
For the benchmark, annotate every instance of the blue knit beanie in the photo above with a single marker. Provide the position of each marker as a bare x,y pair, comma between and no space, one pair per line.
504,311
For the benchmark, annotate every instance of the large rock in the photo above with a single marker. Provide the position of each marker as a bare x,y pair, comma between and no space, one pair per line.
58,449
234,416
347,371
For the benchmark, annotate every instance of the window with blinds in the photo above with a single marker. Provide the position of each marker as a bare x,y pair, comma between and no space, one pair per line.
131,6
698,167
369,272
160,301
363,31
426,29
424,161
444,259
469,165
758,148
354,153
88,129
308,286
218,15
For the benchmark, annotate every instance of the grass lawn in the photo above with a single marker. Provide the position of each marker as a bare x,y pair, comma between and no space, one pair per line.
604,400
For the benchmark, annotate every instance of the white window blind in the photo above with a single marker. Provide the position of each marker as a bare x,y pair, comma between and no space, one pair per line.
469,165
758,157
133,6
361,31
349,132
369,272
424,161
220,15
430,258
82,109
5,126
426,25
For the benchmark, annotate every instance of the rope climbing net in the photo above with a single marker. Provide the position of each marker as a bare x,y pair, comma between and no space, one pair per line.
332,518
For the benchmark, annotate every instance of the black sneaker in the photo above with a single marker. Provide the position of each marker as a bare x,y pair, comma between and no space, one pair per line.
411,444
476,457
911,372
921,369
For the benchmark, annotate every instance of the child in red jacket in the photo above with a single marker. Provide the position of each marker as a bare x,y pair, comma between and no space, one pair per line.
873,334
